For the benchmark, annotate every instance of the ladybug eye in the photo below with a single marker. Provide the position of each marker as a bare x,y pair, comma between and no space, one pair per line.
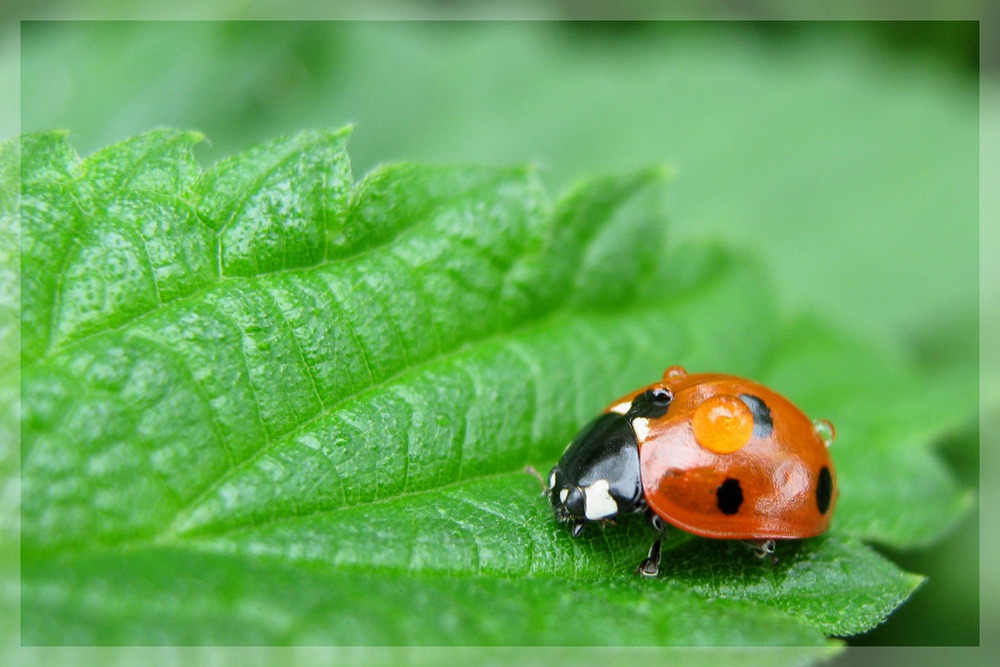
660,395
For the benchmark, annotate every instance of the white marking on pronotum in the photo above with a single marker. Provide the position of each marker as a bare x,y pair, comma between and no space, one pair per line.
552,480
563,495
621,408
641,427
599,503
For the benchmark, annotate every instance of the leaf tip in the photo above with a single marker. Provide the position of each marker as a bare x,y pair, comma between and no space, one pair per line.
339,134
194,136
914,581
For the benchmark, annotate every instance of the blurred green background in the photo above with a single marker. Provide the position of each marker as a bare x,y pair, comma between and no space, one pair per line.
845,155
851,167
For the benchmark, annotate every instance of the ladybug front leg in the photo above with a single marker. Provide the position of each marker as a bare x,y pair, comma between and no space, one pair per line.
650,566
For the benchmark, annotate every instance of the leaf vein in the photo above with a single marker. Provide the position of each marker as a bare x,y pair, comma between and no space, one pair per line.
183,363
297,344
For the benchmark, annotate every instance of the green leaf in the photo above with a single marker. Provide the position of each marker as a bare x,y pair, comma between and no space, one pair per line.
264,405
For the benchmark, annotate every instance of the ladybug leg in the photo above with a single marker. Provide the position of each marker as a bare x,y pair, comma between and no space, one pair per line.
578,528
763,549
650,566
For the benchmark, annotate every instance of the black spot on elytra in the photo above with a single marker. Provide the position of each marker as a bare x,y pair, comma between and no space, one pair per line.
824,490
762,422
729,496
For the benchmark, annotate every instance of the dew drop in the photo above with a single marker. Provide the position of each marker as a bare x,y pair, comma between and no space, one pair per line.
825,431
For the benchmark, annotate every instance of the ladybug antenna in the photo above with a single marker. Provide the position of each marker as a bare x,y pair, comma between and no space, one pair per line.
537,475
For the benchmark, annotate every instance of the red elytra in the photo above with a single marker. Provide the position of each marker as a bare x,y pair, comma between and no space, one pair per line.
732,459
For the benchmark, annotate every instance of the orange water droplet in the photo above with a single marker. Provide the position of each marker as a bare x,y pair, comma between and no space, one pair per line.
723,424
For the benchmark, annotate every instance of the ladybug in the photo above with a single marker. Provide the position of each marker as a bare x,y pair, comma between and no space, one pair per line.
715,455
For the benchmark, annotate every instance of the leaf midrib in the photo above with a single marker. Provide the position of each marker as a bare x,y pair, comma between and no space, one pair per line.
551,318
558,317
565,315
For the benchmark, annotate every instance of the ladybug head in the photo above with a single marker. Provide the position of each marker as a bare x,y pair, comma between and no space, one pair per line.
568,499
598,476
